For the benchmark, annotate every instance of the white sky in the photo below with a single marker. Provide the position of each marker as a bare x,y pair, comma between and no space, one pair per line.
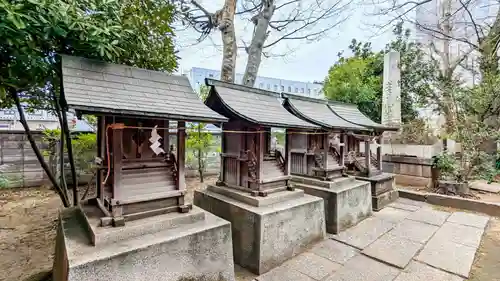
309,61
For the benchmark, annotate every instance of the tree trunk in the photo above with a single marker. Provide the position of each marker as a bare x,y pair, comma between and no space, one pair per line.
259,37
37,152
66,133
229,48
200,165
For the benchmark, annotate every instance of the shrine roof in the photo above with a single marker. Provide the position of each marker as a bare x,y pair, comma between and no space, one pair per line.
351,113
92,86
252,105
317,112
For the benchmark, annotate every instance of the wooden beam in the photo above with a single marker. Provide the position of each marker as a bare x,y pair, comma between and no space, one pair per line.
181,154
101,148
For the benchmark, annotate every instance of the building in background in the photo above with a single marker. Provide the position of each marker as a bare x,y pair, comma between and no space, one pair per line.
38,120
310,89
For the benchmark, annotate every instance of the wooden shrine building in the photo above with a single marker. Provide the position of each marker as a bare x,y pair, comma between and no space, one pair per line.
325,153
142,172
247,161
361,161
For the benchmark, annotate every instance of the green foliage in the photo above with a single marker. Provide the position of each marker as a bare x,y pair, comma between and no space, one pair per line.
199,141
4,182
415,131
203,92
358,79
133,32
446,163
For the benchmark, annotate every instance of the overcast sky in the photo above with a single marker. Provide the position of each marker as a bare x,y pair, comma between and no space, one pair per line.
308,61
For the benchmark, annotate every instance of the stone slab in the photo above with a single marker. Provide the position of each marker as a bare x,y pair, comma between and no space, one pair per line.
283,273
365,232
313,265
392,214
483,185
264,237
382,200
430,216
489,208
334,251
256,201
460,234
414,231
362,268
195,251
393,250
411,202
469,219
449,256
345,206
417,271
402,206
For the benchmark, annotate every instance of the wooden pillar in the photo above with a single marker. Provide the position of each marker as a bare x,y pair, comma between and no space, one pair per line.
223,150
379,153
181,154
117,168
326,145
166,137
367,156
101,147
342,148
288,152
260,154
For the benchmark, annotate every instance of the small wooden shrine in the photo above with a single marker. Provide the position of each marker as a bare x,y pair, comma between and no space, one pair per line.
319,155
362,162
247,161
142,172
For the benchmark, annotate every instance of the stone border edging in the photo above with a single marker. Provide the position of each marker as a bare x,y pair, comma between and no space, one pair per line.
489,208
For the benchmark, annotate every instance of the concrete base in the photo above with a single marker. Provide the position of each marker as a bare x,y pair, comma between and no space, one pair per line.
347,200
266,234
175,246
383,189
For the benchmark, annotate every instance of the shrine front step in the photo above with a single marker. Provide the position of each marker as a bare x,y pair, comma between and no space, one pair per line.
347,202
383,189
200,249
267,235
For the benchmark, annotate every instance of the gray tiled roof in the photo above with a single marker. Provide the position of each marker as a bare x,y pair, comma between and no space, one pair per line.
318,112
257,106
351,113
100,87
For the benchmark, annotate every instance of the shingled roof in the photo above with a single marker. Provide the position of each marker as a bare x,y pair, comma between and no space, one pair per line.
317,112
252,105
351,113
98,87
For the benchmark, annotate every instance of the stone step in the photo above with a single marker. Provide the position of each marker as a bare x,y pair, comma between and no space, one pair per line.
336,188
337,182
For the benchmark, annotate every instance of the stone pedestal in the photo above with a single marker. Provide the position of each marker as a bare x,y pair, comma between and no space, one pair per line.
328,174
178,247
269,230
383,190
347,200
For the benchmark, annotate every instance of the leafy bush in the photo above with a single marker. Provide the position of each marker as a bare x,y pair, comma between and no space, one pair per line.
4,182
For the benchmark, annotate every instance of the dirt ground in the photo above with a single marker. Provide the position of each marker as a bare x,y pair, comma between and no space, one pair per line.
28,219
28,223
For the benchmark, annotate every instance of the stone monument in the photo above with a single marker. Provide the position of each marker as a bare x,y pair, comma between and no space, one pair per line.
391,96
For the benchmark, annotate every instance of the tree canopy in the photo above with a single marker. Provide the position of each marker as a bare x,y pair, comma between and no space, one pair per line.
35,32
358,79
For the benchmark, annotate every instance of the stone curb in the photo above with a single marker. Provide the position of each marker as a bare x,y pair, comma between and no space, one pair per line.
489,208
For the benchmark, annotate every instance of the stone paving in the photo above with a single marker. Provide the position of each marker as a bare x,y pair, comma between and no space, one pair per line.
407,241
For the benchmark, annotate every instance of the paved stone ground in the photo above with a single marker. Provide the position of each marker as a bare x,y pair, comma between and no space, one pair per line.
407,241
